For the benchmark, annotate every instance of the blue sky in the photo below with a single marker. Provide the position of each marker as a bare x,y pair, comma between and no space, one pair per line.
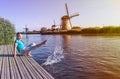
39,13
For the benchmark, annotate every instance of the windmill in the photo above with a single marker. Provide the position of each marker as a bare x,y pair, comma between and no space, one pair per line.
66,22
54,26
26,29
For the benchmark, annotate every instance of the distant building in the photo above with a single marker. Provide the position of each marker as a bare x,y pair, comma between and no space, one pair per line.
43,29
53,27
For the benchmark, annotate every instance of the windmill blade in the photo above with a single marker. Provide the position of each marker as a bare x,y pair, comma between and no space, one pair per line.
67,9
26,28
77,14
68,14
54,22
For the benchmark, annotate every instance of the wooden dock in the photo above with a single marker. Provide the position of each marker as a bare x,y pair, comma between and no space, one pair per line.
21,67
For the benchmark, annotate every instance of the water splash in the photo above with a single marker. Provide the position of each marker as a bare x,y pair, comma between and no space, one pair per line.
55,56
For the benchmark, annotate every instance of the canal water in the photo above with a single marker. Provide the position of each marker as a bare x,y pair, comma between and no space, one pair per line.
78,57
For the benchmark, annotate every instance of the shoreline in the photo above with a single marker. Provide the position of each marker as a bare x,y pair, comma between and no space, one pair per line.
77,33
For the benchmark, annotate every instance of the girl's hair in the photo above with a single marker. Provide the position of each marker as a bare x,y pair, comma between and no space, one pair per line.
18,33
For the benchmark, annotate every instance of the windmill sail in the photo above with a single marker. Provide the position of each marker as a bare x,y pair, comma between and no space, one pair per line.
67,9
74,15
68,14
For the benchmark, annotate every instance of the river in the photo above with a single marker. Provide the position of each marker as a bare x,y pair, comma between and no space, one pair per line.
85,57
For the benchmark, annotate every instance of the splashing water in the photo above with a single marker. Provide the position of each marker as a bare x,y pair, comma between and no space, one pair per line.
55,57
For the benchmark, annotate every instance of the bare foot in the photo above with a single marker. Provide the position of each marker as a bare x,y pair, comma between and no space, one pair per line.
44,42
28,55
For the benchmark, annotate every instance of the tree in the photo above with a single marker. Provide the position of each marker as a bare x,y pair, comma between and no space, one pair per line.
7,32
76,28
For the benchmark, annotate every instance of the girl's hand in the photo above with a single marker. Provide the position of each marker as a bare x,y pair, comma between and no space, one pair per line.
14,56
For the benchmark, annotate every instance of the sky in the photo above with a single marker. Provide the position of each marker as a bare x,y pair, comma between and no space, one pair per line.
36,14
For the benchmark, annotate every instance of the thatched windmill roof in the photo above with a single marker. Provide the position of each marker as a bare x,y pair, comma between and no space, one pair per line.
65,17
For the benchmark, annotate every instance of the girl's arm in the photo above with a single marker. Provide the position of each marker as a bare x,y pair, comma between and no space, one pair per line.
15,46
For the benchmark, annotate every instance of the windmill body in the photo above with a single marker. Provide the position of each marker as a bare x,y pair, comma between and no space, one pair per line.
66,23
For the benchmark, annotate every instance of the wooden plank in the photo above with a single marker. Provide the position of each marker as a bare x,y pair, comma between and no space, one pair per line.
7,62
20,67
42,71
14,70
14,73
5,68
31,69
23,70
25,73
1,60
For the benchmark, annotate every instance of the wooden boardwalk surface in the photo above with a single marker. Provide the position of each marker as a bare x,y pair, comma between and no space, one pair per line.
20,67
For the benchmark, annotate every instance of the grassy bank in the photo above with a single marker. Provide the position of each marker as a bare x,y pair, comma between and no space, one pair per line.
7,32
91,31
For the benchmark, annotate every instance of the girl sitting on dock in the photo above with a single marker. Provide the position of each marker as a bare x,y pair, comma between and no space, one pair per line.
19,45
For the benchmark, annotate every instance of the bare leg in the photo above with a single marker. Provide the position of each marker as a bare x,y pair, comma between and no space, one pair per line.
27,50
38,45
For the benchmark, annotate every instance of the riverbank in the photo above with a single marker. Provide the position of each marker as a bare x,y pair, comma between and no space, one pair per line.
91,31
101,34
74,33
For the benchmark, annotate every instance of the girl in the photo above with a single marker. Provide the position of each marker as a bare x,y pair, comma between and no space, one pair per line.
19,45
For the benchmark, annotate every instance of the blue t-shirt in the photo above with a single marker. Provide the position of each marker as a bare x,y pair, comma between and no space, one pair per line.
20,45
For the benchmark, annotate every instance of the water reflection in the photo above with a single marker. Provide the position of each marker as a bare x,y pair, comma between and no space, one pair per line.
27,39
66,43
